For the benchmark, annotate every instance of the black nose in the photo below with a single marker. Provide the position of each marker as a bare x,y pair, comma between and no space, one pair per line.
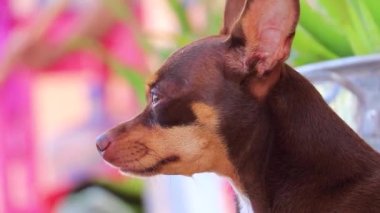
102,143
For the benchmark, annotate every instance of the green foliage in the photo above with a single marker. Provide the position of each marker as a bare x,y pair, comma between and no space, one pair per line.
130,190
332,29
130,74
181,15
131,187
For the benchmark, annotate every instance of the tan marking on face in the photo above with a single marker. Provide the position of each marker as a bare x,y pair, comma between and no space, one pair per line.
152,78
206,115
199,147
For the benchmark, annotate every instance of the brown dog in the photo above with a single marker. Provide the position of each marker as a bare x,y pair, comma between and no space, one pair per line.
228,104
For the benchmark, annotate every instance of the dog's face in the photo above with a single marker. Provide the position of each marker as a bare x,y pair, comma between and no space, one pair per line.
179,132
205,99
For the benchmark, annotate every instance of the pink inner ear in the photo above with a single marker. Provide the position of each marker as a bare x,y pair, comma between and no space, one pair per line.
269,26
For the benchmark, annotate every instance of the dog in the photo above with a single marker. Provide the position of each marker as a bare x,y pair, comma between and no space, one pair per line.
229,104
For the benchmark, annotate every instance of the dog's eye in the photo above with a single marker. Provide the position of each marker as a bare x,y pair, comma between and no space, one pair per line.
155,98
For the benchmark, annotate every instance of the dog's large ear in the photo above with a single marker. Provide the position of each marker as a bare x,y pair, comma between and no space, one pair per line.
266,29
232,13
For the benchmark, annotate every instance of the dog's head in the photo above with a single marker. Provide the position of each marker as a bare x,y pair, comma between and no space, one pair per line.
207,96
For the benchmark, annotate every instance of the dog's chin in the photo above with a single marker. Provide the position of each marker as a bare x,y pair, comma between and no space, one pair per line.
139,172
149,171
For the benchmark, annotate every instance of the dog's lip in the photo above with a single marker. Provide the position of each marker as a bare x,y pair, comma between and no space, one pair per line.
151,169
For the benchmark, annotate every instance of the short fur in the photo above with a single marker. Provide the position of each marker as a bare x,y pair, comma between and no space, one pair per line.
218,106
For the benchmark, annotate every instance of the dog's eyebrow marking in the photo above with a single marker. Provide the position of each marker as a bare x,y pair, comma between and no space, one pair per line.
152,79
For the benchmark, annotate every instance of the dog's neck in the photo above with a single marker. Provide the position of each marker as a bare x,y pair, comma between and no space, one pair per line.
300,146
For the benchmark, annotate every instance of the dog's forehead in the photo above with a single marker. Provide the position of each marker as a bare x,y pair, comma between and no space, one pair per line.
193,62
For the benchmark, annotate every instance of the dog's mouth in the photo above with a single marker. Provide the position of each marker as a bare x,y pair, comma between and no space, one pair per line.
152,169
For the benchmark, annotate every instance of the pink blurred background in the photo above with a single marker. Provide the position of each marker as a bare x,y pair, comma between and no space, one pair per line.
70,69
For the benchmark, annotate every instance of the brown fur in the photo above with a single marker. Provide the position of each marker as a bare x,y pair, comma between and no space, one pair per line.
271,133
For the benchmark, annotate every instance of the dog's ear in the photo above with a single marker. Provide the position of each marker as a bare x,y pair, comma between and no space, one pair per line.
232,12
266,29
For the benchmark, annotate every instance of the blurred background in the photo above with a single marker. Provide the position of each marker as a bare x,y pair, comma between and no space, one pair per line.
70,69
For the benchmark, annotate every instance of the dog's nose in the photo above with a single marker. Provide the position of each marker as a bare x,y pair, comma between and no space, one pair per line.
102,143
